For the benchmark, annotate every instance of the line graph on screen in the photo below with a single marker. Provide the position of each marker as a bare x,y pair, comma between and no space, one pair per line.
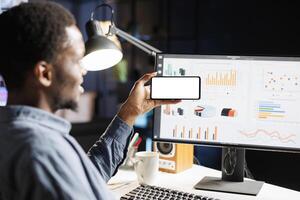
284,138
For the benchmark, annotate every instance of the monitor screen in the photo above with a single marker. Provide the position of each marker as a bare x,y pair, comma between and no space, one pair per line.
3,92
251,102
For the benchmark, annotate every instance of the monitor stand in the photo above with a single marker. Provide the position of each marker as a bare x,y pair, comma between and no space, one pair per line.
232,181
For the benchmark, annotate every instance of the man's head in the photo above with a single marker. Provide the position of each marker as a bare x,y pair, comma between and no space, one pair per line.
41,48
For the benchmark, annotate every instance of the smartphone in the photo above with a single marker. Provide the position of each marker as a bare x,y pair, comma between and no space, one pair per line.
175,87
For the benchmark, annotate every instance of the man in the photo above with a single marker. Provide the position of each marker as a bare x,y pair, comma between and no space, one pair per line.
40,52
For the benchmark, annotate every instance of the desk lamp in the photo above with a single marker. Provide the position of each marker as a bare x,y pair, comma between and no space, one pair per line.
102,53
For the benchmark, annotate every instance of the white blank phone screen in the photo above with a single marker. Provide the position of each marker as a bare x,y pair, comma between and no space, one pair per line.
175,88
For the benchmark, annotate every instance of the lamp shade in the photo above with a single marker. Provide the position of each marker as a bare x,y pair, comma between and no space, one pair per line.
101,53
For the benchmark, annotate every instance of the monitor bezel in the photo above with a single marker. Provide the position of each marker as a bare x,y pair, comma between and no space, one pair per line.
157,110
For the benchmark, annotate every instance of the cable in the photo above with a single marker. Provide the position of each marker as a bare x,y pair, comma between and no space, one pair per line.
104,5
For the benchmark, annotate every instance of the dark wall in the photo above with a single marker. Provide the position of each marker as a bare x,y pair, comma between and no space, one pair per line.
233,27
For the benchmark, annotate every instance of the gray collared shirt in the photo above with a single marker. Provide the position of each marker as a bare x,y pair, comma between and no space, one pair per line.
40,160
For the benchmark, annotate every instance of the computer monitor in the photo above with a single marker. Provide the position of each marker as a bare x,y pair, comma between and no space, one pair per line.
246,102
3,92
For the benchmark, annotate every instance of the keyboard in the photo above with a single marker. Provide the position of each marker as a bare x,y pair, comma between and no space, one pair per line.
147,192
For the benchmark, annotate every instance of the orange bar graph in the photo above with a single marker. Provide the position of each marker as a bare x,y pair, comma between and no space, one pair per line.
206,133
175,132
209,133
221,78
191,134
199,133
215,133
167,110
264,115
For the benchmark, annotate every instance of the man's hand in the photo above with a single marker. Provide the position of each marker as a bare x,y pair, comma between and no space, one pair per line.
139,102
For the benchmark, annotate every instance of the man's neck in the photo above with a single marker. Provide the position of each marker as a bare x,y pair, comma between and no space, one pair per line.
29,98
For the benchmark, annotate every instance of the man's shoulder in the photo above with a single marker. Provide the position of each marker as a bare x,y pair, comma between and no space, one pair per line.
40,143
24,147
35,139
37,149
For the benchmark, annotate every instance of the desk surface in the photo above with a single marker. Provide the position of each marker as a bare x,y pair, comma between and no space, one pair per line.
126,180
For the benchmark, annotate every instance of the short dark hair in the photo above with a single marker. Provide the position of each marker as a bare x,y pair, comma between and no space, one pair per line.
31,32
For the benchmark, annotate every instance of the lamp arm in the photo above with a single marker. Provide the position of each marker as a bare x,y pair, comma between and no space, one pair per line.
136,42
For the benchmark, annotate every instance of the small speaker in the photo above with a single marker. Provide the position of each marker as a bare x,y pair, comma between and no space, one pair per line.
174,158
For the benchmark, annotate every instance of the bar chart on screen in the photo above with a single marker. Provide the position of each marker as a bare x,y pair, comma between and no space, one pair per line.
170,70
226,78
269,109
278,110
201,133
221,82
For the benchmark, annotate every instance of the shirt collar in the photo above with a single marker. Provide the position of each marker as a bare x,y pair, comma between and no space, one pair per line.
41,117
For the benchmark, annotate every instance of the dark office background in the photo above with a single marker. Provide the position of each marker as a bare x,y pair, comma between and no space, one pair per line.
209,27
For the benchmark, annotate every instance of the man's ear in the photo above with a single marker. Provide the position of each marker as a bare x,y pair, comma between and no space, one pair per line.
43,72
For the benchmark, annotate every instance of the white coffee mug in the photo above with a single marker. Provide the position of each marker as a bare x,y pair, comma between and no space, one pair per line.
146,167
